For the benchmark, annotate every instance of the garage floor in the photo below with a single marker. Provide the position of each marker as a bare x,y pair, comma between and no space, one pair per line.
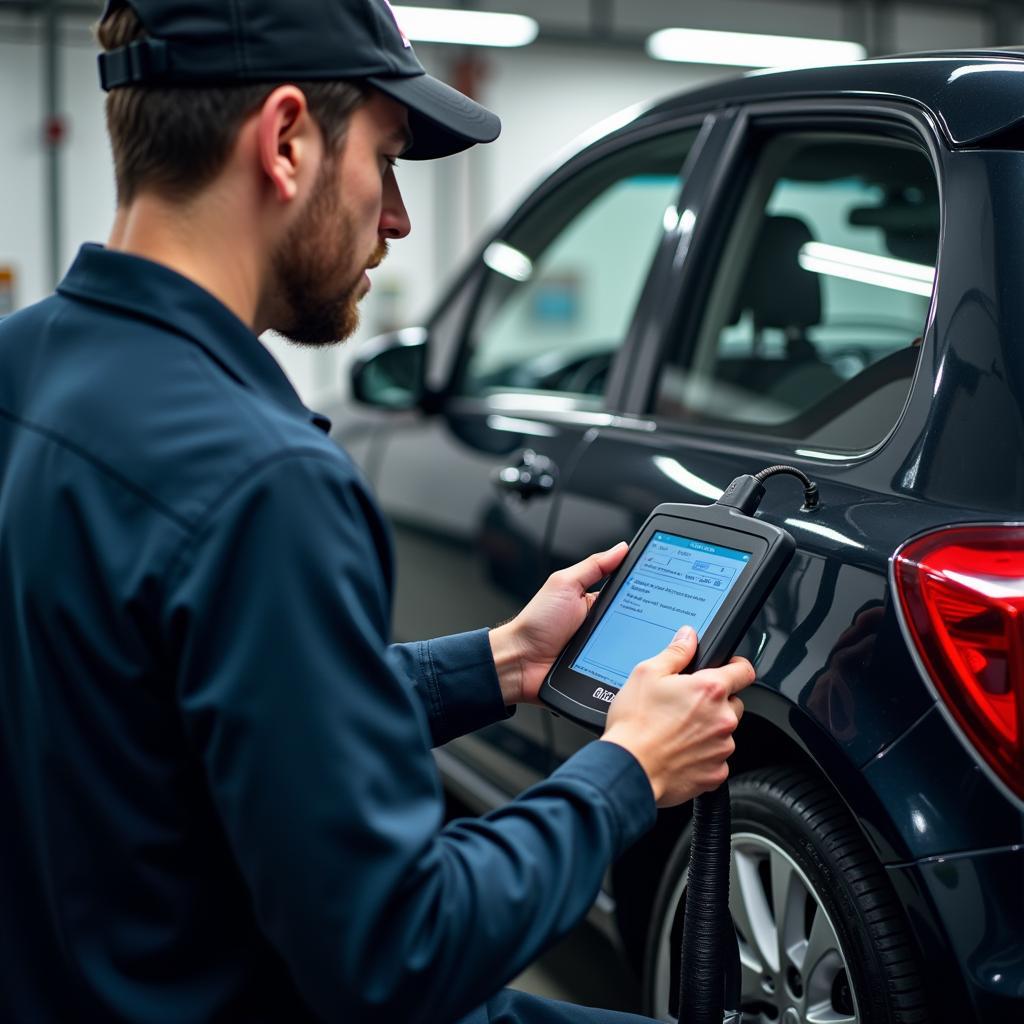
583,968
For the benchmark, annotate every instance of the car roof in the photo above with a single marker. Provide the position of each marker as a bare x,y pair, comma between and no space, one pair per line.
974,94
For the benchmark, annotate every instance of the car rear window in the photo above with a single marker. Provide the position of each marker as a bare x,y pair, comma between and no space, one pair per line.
817,306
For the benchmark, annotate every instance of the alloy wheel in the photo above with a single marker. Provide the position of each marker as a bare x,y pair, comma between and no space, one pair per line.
794,970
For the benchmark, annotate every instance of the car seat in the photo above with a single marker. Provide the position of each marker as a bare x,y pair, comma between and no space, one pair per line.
778,293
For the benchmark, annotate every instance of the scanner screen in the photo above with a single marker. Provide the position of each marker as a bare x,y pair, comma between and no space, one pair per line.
675,582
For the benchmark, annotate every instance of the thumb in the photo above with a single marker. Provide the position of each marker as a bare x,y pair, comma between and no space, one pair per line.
678,654
595,567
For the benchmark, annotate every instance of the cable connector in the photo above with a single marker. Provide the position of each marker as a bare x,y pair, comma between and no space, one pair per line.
744,493
810,497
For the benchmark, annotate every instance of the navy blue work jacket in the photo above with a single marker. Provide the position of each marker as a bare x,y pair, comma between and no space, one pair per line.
218,799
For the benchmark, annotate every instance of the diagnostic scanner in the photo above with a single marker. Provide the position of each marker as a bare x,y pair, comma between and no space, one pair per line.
707,566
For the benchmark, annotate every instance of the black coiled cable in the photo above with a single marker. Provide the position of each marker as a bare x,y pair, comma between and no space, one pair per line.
810,487
709,949
709,969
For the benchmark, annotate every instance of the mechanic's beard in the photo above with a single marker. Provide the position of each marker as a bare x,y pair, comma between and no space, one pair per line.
306,264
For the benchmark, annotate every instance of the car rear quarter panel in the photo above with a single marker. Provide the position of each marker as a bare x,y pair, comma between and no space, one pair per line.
850,706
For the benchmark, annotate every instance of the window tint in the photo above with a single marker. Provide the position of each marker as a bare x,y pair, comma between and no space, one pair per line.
817,306
562,286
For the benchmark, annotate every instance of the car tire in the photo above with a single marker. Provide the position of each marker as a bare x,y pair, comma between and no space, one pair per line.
832,945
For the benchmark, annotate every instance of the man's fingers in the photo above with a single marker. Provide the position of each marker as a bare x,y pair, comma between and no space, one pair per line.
595,567
737,675
674,658
737,706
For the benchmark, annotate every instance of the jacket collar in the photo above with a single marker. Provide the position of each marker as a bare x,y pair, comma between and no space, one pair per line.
156,293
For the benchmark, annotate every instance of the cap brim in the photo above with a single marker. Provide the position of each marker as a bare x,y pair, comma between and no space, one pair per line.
442,120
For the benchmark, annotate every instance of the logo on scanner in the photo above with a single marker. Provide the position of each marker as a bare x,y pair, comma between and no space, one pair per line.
606,695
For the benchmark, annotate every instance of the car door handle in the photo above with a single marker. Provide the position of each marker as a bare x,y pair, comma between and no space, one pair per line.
530,475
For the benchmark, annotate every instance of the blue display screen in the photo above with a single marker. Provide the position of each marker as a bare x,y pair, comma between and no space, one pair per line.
675,582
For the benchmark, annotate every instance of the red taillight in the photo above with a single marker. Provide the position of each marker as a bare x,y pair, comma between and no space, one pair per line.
962,592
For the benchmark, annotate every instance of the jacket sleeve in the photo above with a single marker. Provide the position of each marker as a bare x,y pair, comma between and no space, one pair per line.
456,682
316,754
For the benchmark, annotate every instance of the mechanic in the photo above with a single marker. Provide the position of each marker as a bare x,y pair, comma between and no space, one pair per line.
219,798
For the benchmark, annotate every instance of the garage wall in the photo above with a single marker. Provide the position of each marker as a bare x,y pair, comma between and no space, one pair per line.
22,170
546,94
87,192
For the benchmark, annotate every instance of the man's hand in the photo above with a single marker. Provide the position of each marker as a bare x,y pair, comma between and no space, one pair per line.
525,648
679,727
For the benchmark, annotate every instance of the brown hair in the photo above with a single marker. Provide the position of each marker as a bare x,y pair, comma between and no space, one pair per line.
176,140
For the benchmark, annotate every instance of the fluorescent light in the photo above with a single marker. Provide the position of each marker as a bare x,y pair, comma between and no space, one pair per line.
811,453
823,531
469,28
986,68
854,265
748,50
503,259
681,475
515,425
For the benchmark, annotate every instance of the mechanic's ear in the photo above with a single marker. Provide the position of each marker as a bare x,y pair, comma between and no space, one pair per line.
288,141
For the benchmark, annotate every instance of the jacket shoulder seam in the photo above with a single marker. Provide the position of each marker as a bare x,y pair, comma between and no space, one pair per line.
83,453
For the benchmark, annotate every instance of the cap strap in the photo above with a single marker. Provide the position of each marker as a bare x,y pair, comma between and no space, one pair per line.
141,61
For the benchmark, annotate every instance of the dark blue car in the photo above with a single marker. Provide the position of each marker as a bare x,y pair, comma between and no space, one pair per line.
824,268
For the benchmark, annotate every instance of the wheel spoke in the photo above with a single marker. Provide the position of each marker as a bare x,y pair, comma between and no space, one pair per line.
820,943
823,1013
789,899
751,974
748,904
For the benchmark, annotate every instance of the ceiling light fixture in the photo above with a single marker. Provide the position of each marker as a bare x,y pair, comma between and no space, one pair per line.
748,50
467,28
883,271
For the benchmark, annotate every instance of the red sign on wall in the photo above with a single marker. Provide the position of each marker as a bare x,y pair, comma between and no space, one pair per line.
6,290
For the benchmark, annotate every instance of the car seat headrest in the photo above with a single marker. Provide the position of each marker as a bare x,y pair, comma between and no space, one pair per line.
776,289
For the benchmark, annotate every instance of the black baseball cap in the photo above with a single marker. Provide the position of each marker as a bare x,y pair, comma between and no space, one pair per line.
225,42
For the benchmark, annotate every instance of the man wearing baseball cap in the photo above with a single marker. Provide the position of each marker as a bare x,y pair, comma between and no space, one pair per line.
220,800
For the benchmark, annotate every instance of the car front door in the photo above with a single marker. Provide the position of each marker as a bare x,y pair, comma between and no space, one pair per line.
537,332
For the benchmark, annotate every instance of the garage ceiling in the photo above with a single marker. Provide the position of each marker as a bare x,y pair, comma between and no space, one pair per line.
626,23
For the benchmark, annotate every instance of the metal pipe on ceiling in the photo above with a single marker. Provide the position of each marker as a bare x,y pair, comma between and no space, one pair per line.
53,130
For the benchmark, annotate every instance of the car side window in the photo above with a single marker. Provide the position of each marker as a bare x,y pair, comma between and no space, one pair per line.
818,304
562,285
